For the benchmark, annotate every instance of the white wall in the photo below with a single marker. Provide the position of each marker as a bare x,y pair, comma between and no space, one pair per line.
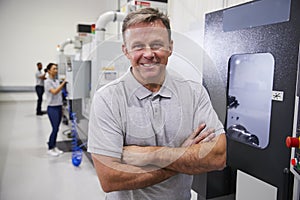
32,29
189,16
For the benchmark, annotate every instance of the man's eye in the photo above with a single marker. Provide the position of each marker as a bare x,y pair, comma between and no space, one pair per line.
138,47
156,46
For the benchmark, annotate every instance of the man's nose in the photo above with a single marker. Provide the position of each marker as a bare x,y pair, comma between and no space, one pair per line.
148,52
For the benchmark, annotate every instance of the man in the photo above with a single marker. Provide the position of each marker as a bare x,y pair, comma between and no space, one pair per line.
39,88
141,125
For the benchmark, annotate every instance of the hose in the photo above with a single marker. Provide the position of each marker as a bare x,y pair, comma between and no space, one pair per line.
76,150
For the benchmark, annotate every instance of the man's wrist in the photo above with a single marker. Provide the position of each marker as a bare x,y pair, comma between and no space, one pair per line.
152,153
158,156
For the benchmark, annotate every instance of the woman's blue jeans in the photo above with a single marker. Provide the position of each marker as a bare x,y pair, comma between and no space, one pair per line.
55,115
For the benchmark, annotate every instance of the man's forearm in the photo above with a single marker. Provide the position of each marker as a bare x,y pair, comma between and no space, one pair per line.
195,159
115,176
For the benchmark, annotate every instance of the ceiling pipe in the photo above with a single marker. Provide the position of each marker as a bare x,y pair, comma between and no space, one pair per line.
104,19
62,46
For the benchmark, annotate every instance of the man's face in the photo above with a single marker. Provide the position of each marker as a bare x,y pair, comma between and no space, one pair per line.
40,66
148,48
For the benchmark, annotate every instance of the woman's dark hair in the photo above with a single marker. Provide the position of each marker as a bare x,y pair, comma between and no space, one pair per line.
50,65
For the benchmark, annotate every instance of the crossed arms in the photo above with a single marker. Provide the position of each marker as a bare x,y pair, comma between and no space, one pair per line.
145,166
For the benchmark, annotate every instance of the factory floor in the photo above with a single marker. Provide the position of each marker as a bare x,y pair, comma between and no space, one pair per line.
27,172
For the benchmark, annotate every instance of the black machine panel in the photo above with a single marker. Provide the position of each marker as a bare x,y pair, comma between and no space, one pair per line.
280,39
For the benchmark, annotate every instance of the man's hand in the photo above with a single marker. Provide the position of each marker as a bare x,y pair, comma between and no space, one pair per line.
196,137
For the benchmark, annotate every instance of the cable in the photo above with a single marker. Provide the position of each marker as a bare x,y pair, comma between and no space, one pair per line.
76,150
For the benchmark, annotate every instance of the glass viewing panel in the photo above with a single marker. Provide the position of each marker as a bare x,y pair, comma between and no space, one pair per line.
249,99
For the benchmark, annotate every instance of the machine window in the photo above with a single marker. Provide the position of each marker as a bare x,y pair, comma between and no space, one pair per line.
249,98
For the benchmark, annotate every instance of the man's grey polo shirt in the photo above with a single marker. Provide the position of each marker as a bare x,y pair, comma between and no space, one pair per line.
39,81
126,113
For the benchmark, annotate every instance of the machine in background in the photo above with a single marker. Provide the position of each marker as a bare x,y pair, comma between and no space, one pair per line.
77,72
255,47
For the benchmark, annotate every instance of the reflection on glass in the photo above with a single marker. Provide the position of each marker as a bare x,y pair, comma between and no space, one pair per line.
249,99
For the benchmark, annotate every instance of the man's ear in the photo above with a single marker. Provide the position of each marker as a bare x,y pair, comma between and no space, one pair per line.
171,47
125,51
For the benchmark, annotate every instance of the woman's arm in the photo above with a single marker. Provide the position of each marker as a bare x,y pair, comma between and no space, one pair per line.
55,91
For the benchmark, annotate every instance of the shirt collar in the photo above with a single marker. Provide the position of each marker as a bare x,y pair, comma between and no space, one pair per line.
134,87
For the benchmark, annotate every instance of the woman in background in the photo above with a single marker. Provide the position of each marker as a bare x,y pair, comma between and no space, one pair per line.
53,90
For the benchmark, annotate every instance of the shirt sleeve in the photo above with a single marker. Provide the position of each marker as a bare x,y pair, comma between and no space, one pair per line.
47,85
205,113
105,135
